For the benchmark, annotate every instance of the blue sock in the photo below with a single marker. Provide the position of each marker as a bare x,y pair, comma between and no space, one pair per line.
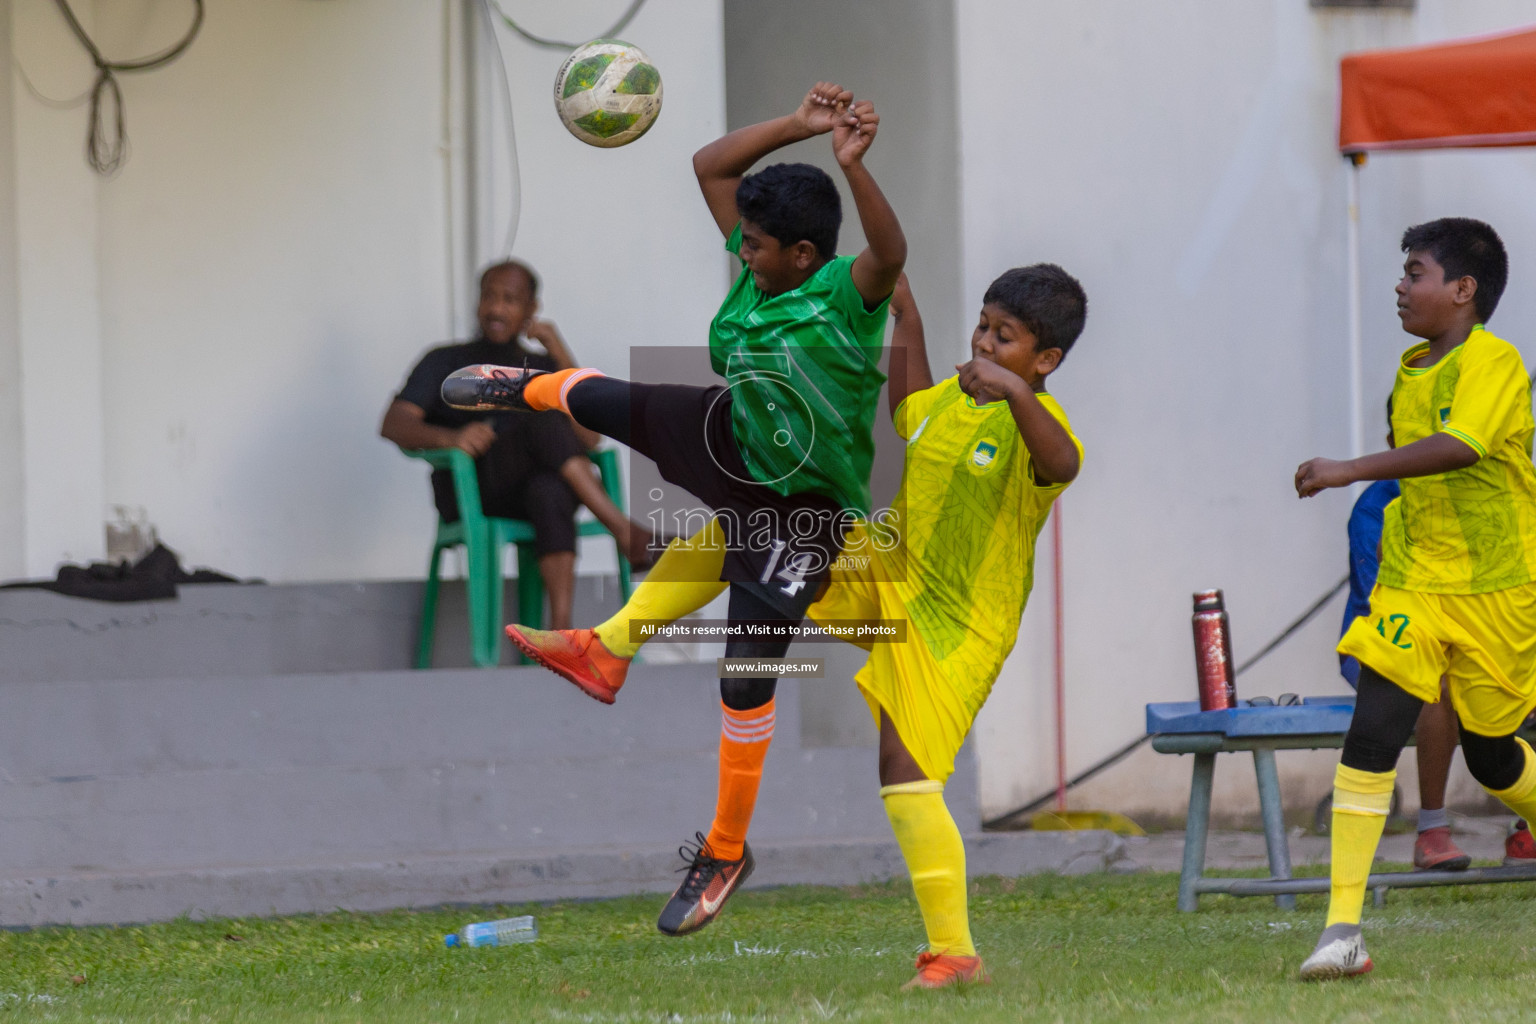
1436,818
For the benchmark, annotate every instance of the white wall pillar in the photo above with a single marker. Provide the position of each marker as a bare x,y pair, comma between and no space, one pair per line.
11,478
57,298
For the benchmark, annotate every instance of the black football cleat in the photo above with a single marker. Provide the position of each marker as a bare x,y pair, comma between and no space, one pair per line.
488,388
708,884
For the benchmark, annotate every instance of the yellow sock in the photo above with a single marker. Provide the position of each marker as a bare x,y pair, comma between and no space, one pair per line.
684,579
1521,797
548,390
930,844
1361,802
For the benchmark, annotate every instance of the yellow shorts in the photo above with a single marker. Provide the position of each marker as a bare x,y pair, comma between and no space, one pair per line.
931,703
1485,644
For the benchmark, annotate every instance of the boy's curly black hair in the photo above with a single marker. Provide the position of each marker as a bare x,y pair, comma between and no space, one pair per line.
1046,299
1465,248
792,203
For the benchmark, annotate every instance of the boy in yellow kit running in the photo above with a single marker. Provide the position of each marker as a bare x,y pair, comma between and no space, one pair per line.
987,452
1456,592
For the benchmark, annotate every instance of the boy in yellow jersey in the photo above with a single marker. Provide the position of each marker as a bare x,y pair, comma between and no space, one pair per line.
988,451
1456,592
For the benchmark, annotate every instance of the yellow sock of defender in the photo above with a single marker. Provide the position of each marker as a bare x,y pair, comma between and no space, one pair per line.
684,579
1361,802
1521,797
930,844
548,390
744,739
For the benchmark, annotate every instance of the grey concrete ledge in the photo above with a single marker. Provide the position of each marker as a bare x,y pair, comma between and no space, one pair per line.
85,897
220,629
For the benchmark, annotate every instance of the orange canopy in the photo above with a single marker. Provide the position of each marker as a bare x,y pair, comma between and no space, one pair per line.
1472,92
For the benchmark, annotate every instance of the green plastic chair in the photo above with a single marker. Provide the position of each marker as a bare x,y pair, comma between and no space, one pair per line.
483,538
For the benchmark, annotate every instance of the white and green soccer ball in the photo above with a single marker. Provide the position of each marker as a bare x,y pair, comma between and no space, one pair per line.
608,93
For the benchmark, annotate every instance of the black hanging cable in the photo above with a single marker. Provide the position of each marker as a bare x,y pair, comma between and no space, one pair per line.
556,44
1008,818
1285,634
106,149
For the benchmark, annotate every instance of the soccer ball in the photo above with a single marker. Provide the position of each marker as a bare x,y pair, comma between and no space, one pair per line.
608,93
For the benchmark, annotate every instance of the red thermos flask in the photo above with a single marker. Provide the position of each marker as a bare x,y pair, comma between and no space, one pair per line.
1213,652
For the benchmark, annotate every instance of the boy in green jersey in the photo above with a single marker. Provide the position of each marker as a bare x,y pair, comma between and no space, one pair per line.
781,455
1455,596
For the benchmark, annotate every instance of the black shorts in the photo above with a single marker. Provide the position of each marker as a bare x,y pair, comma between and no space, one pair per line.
779,547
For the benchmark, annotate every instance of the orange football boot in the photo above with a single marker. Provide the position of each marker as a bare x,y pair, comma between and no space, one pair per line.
1434,850
576,654
941,970
1519,848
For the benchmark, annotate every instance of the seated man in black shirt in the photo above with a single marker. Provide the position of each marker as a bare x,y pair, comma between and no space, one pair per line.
531,466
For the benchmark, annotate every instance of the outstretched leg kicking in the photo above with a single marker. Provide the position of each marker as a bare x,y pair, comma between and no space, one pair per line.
685,578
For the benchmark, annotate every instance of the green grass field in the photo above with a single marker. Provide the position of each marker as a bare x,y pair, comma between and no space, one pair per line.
1095,948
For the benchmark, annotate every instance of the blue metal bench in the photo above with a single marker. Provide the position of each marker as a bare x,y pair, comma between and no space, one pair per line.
1180,727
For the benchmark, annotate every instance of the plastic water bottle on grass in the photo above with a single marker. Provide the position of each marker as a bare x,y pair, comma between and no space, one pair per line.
506,932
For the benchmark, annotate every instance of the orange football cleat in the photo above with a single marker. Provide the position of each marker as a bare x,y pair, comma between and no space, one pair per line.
576,654
1434,850
1519,848
941,970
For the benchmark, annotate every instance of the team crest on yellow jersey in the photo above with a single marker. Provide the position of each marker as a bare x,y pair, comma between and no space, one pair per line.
983,455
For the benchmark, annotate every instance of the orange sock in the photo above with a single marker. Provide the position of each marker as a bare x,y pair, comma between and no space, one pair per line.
744,738
548,390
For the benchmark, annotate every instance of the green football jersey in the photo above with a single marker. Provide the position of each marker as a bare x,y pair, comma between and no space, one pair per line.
804,376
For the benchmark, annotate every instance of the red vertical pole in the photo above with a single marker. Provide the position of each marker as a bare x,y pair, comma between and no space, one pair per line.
1061,672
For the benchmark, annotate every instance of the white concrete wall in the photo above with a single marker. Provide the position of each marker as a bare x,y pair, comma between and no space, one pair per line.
1179,158
213,334
57,291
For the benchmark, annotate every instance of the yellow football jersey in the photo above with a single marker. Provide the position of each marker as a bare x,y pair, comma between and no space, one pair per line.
1472,530
967,516
954,559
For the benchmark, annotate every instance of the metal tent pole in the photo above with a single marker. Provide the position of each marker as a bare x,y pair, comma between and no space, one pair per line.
1356,340
1060,685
